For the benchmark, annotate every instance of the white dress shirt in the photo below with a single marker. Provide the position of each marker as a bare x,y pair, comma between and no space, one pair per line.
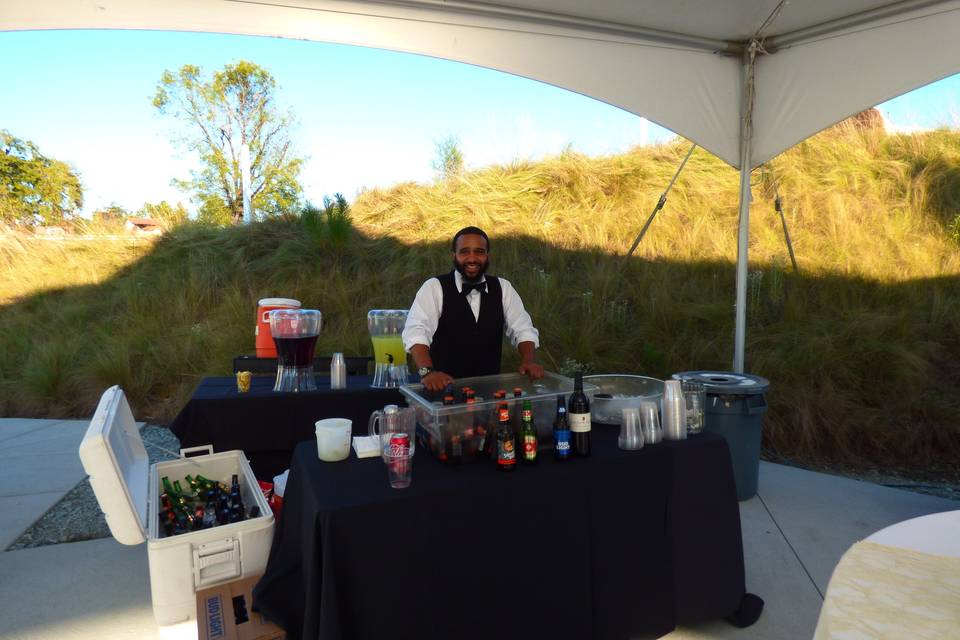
425,312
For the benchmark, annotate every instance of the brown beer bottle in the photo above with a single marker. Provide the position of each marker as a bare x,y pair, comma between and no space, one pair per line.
506,440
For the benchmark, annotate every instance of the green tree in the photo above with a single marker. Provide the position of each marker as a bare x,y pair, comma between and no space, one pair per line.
165,212
235,106
35,189
448,162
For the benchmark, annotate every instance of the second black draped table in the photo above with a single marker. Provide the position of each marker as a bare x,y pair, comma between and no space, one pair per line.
266,425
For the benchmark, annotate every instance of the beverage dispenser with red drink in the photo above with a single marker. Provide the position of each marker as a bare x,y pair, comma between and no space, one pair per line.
295,333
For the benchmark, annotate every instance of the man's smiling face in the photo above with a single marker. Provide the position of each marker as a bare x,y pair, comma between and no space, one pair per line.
471,257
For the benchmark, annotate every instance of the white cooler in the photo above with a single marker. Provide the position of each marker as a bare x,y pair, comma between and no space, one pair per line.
128,490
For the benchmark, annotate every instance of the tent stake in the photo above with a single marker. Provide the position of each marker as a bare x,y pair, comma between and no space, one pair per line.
660,203
786,232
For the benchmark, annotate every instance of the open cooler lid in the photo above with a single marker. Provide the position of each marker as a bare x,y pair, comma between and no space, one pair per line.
114,457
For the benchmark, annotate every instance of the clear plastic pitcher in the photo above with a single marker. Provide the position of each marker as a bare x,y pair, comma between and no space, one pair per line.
386,327
393,419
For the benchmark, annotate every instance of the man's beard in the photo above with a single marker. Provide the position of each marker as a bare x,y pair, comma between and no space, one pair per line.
483,270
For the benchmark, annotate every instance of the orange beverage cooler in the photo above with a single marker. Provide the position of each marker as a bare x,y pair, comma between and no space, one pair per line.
265,346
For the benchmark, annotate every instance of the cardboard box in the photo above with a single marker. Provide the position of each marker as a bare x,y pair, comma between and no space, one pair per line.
224,613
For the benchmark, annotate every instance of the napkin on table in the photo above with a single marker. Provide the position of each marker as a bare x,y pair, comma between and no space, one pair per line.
366,446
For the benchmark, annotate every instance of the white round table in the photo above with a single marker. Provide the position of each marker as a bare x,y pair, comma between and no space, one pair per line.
937,534
900,582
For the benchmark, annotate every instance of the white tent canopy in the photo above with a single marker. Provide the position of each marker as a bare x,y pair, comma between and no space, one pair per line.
680,63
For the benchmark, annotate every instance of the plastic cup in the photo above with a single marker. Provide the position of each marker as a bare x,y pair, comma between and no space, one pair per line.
631,436
399,469
650,419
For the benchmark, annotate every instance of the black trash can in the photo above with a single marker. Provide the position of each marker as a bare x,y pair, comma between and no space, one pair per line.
734,409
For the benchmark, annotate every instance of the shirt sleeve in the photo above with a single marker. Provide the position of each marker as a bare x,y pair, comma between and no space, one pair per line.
518,326
424,315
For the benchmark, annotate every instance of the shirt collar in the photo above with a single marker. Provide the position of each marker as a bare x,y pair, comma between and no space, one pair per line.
458,280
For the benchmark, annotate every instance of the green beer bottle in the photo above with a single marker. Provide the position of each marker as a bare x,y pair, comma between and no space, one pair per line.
528,435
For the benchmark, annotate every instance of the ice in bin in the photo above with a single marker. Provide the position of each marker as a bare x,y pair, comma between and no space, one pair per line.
437,424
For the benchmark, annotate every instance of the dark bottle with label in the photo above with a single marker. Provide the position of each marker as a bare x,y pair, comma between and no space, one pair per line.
235,501
579,417
561,432
210,510
449,434
484,435
506,440
528,435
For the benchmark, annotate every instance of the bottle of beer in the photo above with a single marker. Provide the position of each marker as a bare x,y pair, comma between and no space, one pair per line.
235,501
167,487
198,517
484,436
516,419
528,435
210,510
448,429
561,431
506,441
580,418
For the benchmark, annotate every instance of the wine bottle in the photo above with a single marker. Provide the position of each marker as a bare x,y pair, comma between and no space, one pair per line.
579,417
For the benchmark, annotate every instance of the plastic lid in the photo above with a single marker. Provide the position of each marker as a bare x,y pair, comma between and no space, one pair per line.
114,457
279,302
388,313
726,382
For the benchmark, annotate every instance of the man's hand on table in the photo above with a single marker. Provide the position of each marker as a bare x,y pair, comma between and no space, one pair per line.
531,370
436,380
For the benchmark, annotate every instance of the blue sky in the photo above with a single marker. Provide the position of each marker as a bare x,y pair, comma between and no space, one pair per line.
366,117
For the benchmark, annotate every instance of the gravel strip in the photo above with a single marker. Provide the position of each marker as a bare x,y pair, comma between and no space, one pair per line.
77,516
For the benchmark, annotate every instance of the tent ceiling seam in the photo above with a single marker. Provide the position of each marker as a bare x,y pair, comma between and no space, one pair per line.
640,35
871,19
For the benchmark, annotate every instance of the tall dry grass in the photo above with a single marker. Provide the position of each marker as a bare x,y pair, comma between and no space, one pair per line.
860,346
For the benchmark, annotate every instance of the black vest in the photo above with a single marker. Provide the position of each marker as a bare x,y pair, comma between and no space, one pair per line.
462,346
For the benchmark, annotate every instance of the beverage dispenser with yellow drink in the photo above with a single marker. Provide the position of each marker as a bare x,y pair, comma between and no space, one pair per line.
385,327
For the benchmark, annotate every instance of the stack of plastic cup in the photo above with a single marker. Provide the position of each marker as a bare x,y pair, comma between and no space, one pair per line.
650,419
674,411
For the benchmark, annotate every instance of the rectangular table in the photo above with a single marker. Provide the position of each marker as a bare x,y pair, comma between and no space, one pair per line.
266,425
624,544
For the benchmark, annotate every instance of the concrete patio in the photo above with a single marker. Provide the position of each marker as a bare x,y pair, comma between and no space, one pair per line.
794,532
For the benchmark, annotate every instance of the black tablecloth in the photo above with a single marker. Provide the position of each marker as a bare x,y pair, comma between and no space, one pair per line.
620,545
266,425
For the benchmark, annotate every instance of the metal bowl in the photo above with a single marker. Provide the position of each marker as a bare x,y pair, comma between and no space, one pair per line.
618,391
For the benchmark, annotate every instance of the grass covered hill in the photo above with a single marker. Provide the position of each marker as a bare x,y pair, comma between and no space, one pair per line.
861,346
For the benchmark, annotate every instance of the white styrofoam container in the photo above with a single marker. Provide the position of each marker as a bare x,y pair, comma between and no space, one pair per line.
127,488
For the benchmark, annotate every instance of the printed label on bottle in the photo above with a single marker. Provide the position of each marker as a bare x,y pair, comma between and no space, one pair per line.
505,453
530,447
561,440
579,422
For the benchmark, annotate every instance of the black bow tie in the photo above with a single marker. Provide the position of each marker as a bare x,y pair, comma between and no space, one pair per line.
479,286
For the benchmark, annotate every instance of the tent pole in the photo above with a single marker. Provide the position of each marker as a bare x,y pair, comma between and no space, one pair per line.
743,232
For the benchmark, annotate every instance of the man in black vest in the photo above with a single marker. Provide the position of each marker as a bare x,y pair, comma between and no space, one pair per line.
456,324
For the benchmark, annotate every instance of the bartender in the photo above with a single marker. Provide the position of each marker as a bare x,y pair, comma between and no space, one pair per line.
457,322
